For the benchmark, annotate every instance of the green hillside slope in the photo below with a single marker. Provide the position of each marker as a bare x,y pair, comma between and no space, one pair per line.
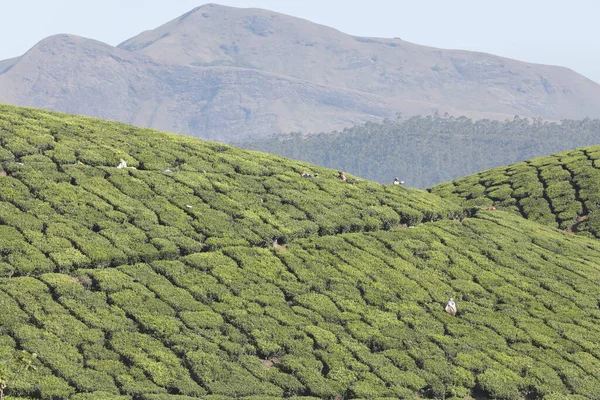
562,190
354,315
145,284
182,196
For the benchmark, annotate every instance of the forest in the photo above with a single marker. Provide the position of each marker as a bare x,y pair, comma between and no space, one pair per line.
424,151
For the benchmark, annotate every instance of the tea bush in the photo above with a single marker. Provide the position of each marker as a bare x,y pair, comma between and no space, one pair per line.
211,272
560,190
177,196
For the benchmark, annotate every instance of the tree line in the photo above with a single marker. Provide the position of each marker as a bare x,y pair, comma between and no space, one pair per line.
424,151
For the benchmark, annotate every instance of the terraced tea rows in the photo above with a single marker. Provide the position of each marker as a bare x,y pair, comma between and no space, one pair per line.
210,272
562,190
353,315
64,204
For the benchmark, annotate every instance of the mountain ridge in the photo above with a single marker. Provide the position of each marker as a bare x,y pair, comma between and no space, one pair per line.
157,78
389,41
242,20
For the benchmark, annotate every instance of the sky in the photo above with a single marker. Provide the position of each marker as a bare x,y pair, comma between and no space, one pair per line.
553,32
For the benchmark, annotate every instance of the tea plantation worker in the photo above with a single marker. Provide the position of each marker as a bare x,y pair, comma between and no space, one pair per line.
122,164
451,307
398,181
341,176
306,175
3,172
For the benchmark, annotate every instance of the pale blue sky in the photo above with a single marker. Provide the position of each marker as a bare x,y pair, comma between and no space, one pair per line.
548,32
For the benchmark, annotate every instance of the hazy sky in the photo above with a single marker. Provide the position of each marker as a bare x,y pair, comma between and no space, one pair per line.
543,31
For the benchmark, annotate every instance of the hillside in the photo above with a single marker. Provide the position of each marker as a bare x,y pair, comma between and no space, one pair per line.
163,282
561,190
227,74
427,151
181,195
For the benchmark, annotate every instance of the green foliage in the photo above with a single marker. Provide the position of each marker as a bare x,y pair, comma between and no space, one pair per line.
249,281
559,190
254,322
64,204
424,151
500,384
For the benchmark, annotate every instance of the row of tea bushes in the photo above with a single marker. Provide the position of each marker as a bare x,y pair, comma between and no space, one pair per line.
358,315
562,190
65,204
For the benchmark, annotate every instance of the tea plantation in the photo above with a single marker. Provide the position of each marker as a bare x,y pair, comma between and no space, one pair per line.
215,273
65,205
562,190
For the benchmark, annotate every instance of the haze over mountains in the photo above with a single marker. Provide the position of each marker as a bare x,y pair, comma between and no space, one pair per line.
229,74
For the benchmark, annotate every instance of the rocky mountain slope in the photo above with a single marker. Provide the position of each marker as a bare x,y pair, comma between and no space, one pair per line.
83,76
203,271
224,73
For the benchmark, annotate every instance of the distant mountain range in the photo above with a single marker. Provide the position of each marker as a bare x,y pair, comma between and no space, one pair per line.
230,74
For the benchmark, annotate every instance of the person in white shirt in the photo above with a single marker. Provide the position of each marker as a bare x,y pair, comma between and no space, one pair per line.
451,307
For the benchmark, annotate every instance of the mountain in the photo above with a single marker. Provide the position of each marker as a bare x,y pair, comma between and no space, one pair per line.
228,74
83,76
427,151
466,81
203,271
562,190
